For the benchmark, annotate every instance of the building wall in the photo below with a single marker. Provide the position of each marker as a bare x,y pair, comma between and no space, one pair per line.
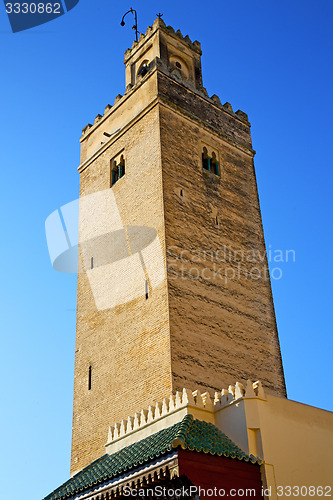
222,320
191,332
294,440
128,346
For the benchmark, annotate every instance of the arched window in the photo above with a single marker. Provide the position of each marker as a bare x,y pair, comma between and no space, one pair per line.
143,68
176,62
117,169
122,166
214,165
210,163
114,173
205,159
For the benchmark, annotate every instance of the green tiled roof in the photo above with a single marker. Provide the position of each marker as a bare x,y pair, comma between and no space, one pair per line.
190,434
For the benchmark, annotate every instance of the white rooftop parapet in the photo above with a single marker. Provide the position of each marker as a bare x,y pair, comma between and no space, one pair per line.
172,410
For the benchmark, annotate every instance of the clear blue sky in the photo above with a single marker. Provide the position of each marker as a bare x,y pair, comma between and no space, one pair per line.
272,59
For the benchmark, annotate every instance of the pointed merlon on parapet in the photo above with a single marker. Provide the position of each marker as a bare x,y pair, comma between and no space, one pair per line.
118,97
86,128
191,401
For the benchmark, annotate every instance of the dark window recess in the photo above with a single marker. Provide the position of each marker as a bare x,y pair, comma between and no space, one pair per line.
117,170
143,71
181,192
146,290
210,163
92,263
89,378
214,165
216,221
178,65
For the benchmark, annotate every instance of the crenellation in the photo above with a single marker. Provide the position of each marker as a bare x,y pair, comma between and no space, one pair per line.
116,431
123,428
86,128
204,92
143,417
130,424
228,107
207,401
199,404
249,390
231,392
239,390
172,405
224,397
217,398
188,397
259,390
179,34
198,399
151,414
136,421
170,30
243,116
117,99
216,99
158,410
165,407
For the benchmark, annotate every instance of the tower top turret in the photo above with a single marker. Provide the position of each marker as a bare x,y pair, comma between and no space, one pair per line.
162,45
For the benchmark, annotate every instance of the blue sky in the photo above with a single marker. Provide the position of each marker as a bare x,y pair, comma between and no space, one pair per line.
272,59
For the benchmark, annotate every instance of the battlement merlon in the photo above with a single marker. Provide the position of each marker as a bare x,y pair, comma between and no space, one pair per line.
159,24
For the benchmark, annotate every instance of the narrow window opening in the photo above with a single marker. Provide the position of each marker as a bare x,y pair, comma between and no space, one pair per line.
216,221
117,170
181,192
92,263
89,378
114,173
215,165
178,65
210,163
143,68
122,167
146,290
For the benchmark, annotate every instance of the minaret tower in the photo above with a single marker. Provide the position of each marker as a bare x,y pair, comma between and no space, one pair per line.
174,290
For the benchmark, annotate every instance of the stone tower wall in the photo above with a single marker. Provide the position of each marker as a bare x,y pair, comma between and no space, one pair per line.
128,346
211,320
222,321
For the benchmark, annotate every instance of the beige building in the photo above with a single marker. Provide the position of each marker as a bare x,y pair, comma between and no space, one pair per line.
180,163
174,294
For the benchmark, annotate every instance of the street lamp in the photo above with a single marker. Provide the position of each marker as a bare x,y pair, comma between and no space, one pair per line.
135,26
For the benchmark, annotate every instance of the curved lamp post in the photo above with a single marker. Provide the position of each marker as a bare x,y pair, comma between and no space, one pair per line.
135,26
